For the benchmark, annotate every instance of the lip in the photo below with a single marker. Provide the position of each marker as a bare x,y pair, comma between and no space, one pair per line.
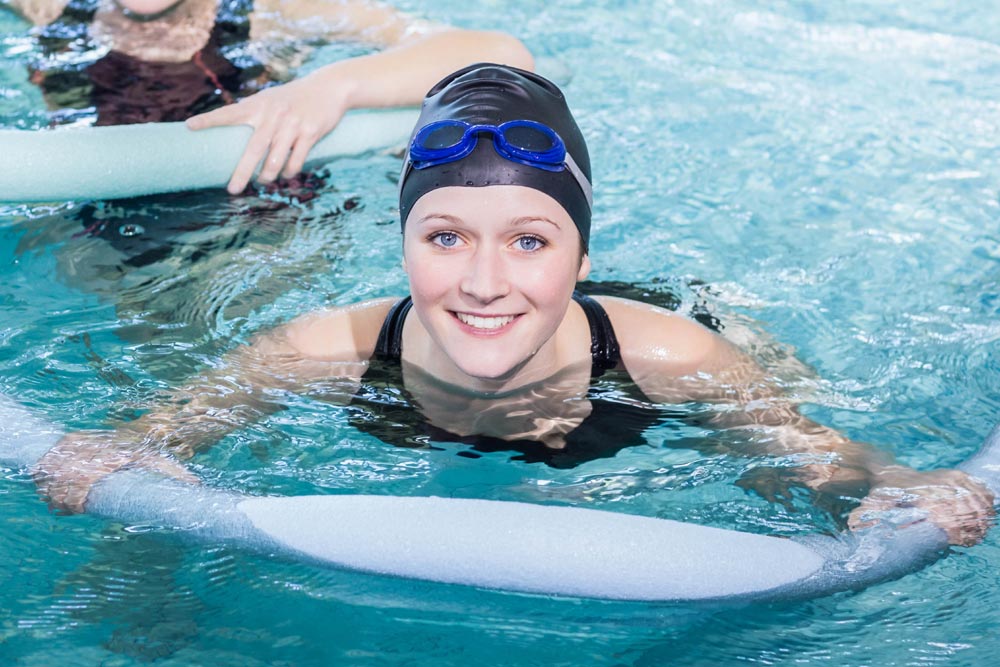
470,327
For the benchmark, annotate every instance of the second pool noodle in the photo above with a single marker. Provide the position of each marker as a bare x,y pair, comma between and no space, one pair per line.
511,546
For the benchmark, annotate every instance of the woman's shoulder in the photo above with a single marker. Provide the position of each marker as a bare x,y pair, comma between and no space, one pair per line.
342,333
649,334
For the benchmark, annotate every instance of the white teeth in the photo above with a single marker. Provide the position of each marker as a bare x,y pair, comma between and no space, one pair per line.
485,322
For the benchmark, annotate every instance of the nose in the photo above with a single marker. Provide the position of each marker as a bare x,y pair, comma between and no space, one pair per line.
485,278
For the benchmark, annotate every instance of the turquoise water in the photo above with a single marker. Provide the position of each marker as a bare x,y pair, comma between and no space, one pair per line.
824,178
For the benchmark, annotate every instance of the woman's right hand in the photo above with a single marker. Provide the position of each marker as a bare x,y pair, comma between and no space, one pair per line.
952,500
79,460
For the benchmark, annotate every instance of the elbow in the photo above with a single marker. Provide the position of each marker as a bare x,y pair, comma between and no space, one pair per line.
515,53
504,49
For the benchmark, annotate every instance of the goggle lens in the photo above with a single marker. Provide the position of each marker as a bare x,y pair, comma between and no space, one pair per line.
443,136
528,138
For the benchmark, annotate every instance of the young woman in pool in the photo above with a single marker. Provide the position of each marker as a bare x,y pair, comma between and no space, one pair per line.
168,60
495,201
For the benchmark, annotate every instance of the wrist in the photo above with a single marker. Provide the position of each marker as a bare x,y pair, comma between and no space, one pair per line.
340,83
888,475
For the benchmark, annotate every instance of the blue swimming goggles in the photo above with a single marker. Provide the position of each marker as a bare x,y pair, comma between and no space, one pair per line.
523,141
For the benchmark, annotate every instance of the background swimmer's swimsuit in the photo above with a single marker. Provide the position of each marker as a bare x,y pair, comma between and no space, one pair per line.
619,417
124,89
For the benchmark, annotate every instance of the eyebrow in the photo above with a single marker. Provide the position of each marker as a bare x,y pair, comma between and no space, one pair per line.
516,222
524,220
440,216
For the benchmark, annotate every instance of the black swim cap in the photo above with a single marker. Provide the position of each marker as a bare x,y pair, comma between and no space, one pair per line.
493,94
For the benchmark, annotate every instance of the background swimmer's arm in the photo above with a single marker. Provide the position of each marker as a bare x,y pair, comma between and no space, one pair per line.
675,360
39,12
322,355
289,119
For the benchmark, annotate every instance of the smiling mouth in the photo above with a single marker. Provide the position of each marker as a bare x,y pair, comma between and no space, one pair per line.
485,323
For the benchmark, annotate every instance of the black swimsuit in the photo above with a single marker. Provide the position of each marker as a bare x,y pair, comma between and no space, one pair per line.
619,416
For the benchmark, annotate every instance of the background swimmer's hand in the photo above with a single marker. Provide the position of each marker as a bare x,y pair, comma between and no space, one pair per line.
79,460
953,501
287,121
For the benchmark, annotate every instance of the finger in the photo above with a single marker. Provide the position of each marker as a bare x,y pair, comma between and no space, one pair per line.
309,135
281,146
297,159
170,468
860,519
233,114
252,155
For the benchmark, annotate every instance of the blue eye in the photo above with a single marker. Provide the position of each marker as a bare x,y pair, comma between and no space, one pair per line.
529,243
445,239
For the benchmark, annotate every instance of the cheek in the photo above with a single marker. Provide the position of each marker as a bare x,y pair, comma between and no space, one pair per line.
427,278
547,282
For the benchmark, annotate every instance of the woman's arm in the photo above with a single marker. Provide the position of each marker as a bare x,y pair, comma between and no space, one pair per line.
289,119
323,354
674,360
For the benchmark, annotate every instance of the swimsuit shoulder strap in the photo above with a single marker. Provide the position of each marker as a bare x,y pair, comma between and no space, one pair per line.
604,348
389,346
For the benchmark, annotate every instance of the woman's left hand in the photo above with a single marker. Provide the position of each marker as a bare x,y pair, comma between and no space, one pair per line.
953,501
287,121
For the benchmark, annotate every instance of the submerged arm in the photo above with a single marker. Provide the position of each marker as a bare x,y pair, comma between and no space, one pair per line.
323,354
675,360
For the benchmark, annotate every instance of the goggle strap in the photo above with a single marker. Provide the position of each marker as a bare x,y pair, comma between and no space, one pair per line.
581,180
407,165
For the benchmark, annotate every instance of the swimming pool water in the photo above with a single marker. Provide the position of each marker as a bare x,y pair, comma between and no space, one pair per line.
824,177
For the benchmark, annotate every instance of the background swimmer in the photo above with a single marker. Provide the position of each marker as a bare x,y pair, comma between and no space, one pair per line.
495,201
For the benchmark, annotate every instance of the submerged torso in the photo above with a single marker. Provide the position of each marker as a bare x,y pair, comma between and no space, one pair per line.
579,414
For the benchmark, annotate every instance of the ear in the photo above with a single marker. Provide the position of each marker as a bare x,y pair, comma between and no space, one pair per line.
584,268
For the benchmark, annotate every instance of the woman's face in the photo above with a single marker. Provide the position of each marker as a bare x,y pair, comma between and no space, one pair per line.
492,271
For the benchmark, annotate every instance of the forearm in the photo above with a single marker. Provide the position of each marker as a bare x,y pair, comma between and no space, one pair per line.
401,75
253,383
775,427
197,416
751,403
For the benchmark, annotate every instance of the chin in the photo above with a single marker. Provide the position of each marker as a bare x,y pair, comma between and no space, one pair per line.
480,372
488,369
